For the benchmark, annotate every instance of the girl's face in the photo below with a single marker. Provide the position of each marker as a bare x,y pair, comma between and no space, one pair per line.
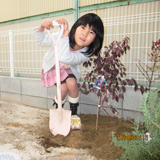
84,36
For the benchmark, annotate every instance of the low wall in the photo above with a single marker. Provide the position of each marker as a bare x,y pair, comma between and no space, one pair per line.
30,92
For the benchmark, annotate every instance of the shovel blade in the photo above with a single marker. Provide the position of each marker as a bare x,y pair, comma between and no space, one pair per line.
59,125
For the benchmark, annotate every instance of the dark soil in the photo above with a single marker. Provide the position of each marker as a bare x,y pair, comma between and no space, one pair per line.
98,142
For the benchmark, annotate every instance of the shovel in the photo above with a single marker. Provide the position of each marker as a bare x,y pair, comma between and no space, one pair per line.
60,119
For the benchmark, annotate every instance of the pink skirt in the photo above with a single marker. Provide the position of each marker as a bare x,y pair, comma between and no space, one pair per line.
48,79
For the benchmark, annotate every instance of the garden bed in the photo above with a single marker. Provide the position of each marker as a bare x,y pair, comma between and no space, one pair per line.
24,130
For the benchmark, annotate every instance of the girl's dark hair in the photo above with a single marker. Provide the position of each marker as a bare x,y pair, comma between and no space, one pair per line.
95,22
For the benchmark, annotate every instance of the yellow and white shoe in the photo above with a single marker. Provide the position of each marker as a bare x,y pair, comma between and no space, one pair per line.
75,122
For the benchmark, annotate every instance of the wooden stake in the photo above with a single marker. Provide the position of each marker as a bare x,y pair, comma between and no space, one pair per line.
98,111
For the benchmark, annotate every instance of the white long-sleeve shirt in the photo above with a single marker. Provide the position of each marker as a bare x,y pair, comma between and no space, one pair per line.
72,58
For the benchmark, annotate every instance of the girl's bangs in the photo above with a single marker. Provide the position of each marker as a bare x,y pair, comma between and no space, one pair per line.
92,23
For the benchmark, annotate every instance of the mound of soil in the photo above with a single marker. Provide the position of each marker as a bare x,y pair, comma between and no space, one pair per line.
98,142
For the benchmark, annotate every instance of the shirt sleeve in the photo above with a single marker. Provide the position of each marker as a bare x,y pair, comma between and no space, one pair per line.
68,57
43,39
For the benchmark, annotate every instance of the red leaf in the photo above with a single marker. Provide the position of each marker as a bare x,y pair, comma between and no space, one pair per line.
123,88
136,87
116,98
84,85
142,89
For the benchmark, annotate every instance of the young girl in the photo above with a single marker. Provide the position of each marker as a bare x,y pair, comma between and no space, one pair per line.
84,40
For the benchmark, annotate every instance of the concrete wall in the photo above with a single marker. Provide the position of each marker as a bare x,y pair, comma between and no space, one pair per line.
30,92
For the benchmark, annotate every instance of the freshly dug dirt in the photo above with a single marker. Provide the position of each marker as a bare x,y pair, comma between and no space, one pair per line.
24,130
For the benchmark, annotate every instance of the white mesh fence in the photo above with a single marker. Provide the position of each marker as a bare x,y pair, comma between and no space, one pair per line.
142,29
4,52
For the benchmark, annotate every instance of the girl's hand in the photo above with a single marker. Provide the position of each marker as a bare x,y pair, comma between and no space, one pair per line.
65,23
47,23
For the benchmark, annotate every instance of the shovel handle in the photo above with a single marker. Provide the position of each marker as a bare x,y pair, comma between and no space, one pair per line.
56,44
61,32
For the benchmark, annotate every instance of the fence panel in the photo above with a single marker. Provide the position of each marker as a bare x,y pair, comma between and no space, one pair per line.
27,54
4,53
140,28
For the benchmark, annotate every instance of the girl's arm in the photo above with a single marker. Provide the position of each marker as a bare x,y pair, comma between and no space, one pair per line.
40,36
65,55
47,23
43,39
68,57
65,23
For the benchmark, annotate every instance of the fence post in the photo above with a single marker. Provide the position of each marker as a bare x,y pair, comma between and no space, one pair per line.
76,10
11,53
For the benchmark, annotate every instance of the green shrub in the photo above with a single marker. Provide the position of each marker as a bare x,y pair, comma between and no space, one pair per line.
141,149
